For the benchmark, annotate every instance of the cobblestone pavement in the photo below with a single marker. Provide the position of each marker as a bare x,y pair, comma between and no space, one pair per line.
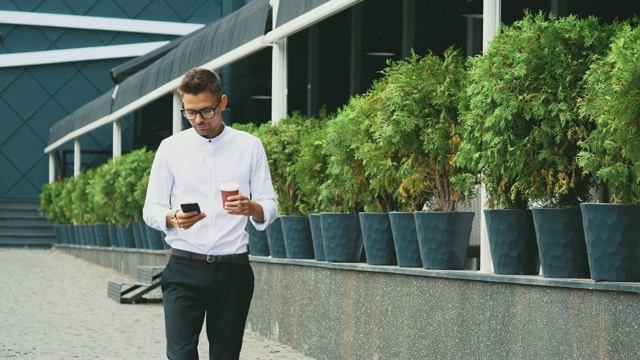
54,306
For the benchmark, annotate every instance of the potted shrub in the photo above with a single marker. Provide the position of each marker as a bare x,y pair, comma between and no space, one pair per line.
345,189
612,153
102,193
131,168
310,169
283,145
154,238
370,179
415,128
81,211
50,207
258,242
522,131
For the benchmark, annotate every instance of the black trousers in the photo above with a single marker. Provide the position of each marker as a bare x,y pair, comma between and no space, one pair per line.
194,289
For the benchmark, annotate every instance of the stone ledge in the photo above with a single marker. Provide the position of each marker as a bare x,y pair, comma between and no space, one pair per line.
574,283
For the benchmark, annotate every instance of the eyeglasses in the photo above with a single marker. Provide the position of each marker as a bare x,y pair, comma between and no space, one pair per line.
206,113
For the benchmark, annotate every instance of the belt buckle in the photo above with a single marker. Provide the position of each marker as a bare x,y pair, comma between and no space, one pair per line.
211,259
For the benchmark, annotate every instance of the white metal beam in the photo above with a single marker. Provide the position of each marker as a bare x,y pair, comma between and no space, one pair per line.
278,72
177,116
117,138
491,13
52,167
78,54
77,160
96,23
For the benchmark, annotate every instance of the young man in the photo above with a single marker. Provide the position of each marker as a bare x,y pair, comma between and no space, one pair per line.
208,272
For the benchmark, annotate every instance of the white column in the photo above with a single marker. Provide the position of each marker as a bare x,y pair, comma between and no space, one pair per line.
177,116
278,73
490,22
117,138
52,166
76,157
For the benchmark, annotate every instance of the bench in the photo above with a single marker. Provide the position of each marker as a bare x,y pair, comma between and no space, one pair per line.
147,280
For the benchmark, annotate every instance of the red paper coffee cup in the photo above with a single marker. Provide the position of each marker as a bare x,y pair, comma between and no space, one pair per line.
229,189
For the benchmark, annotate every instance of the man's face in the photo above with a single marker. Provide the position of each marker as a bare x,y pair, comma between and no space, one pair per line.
205,105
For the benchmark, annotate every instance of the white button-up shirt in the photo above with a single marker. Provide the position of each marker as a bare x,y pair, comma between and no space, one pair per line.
190,168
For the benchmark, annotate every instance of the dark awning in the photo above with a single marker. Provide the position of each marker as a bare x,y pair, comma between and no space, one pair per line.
291,9
85,115
214,40
123,71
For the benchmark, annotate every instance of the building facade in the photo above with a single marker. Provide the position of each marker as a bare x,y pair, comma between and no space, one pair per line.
57,56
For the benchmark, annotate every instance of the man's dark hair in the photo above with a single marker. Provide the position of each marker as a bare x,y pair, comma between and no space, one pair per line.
198,80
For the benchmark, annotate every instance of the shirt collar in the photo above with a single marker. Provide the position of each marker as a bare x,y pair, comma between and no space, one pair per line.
202,140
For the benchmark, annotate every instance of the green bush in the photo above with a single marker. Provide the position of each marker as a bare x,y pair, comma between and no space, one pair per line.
346,188
612,102
415,132
82,209
112,192
522,129
131,169
51,202
101,192
283,145
311,166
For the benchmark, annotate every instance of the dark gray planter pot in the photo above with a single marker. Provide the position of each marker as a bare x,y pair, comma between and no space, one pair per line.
125,235
79,234
297,237
114,237
90,233
155,238
102,235
342,237
59,233
275,237
443,238
561,245
72,234
258,243
512,241
377,238
138,235
143,233
64,237
612,235
316,236
405,239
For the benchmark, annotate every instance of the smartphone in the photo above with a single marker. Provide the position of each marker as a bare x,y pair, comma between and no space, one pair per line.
190,207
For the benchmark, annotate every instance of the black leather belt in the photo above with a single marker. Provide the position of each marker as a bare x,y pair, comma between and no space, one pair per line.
232,259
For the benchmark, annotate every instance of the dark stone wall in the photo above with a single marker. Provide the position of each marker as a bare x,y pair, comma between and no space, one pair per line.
358,311
353,313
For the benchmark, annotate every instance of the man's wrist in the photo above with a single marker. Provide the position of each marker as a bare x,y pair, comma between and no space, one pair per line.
174,220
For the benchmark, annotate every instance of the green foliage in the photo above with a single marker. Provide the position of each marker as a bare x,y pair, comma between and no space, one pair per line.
414,133
112,192
81,211
311,166
66,199
346,188
612,102
50,202
522,128
283,145
251,128
101,192
131,168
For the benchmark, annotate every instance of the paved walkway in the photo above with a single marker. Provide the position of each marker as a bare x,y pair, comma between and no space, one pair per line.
54,306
